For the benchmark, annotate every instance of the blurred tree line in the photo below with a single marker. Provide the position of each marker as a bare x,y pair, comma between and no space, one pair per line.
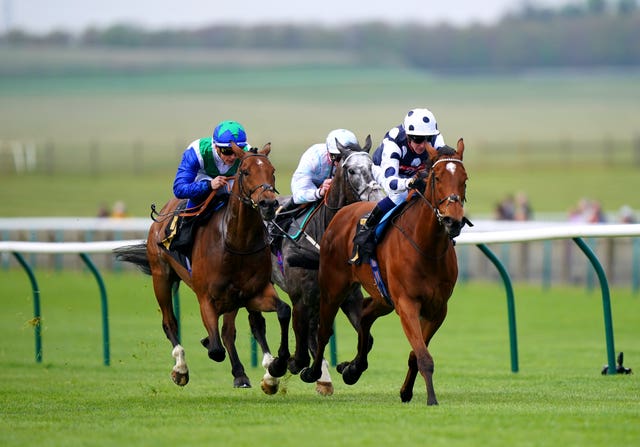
594,33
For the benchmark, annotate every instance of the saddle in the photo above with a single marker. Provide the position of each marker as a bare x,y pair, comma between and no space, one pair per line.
281,226
180,233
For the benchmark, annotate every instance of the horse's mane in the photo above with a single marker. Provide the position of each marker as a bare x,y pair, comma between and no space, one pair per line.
352,147
446,151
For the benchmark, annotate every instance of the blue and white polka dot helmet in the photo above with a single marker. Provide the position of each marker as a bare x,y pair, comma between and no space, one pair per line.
228,131
420,122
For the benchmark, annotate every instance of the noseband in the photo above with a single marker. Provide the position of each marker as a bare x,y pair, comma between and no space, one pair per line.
246,197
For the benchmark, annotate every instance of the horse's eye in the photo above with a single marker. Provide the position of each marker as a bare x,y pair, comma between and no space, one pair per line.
352,171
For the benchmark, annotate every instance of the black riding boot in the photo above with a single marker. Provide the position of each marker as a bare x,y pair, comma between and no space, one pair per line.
364,245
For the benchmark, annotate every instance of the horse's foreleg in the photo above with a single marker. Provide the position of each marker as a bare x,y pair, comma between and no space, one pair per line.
278,367
353,307
418,334
328,312
240,379
212,342
300,323
257,323
351,371
406,392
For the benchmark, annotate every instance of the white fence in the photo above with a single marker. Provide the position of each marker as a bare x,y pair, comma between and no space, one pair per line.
480,235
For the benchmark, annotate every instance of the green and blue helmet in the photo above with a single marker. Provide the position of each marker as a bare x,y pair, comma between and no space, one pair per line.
227,132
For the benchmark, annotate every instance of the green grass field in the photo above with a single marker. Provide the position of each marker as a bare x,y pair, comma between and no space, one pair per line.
559,396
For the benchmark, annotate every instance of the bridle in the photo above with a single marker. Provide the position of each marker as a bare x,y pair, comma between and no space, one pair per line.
452,198
245,196
355,191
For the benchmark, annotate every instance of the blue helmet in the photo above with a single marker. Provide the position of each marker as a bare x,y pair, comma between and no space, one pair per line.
228,131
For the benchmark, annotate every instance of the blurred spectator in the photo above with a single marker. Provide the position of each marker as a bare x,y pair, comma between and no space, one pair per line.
522,210
119,209
103,211
587,211
626,215
505,210
595,213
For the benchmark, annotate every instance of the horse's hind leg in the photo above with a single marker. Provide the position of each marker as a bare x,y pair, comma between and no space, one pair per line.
268,301
240,379
163,287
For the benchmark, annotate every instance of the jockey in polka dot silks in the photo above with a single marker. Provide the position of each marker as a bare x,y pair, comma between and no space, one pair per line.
397,160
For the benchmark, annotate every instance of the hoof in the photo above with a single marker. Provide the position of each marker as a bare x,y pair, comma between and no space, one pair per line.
217,356
180,379
241,382
406,396
350,375
324,388
269,387
433,402
293,366
341,367
307,375
278,367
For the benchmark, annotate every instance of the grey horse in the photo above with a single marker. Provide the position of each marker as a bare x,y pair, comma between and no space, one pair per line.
353,181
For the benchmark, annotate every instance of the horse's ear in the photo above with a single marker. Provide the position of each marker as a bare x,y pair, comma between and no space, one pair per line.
460,148
265,149
237,150
367,144
433,152
343,150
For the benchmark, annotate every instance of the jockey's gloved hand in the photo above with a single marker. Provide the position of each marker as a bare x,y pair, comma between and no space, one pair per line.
418,180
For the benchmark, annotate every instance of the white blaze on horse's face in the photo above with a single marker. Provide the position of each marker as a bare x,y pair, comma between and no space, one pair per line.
451,167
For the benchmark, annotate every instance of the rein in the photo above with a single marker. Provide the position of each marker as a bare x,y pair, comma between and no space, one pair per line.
453,198
246,199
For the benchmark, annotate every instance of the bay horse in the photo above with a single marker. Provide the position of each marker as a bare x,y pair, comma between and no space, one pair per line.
352,182
417,264
230,269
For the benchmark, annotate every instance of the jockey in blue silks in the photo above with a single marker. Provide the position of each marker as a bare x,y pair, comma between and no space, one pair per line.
208,164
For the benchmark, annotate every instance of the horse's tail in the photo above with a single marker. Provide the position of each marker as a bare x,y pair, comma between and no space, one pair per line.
306,259
136,254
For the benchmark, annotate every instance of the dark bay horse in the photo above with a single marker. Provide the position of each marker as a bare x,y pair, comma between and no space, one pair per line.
417,263
352,182
231,268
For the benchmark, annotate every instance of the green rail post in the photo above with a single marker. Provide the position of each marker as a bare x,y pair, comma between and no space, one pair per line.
37,319
105,310
511,306
635,282
606,303
175,291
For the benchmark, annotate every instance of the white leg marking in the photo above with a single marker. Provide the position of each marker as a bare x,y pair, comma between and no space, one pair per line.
325,377
181,363
267,358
